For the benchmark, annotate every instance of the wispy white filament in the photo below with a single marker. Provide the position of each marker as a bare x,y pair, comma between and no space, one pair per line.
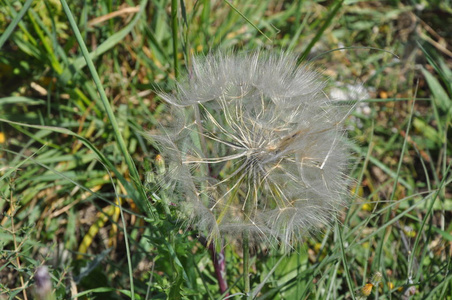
255,127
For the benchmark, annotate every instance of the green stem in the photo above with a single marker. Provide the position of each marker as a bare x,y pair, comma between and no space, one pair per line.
334,9
246,251
246,262
175,36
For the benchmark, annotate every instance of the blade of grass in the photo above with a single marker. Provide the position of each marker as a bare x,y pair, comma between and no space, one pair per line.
404,146
147,208
112,41
379,255
205,17
335,8
382,166
45,41
103,290
436,67
424,221
20,100
344,262
257,289
9,30
59,174
352,48
247,20
122,146
174,28
358,183
126,240
294,41
389,223
443,284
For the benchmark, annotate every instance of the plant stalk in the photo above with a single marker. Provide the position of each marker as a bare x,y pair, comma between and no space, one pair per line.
246,252
219,264
174,28
246,263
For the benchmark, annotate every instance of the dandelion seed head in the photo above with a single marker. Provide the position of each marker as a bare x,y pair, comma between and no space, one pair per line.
256,146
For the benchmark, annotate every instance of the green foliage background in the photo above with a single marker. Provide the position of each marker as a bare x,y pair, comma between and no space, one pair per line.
77,188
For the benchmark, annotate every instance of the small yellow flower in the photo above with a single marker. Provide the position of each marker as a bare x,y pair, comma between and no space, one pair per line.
367,207
317,247
367,289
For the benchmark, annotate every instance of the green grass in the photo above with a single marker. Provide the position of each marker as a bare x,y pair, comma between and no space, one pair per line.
77,176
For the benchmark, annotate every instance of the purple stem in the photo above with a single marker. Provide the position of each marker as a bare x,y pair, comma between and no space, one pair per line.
219,265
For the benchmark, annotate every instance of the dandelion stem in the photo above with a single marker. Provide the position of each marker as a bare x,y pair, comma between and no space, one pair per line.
246,262
219,264
246,251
